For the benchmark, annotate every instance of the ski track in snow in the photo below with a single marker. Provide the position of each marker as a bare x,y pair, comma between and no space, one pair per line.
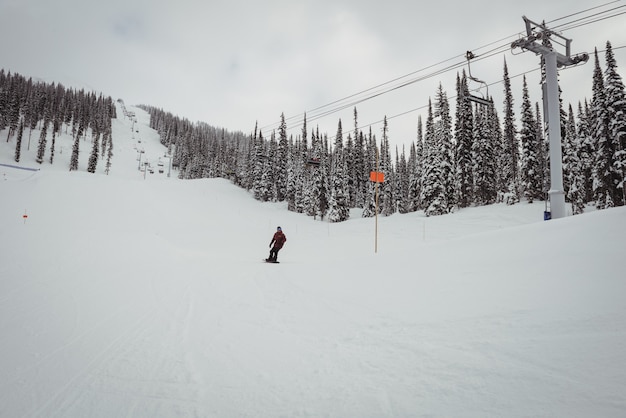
146,366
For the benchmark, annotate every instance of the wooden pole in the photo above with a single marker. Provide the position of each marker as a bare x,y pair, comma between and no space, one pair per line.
376,213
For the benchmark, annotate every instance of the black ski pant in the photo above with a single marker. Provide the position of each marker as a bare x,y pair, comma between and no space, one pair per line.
274,253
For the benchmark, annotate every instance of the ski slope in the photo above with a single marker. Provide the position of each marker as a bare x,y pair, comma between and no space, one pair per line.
146,297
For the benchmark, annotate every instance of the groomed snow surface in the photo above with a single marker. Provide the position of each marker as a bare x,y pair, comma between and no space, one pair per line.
129,297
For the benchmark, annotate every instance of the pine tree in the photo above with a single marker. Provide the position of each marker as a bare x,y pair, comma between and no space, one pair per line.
53,145
362,170
281,161
433,187
269,175
586,151
417,168
414,177
444,140
530,170
572,169
295,166
41,149
93,157
402,183
510,145
12,106
338,205
303,173
387,192
616,114
354,156
18,143
4,98
109,153
602,170
483,156
259,182
369,206
463,152
317,193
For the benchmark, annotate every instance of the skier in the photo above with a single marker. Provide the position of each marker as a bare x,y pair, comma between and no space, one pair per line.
277,241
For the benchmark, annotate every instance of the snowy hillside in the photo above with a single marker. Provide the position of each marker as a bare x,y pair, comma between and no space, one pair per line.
141,295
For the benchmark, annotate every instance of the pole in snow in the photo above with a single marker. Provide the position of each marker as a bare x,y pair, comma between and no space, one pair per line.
376,177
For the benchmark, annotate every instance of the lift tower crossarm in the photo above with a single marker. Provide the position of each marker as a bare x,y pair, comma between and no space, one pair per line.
529,44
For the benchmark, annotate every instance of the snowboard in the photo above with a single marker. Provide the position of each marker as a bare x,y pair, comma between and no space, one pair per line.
271,262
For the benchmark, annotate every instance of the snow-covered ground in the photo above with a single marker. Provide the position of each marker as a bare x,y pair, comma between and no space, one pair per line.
125,296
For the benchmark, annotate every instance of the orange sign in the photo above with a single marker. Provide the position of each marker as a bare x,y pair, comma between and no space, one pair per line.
377,177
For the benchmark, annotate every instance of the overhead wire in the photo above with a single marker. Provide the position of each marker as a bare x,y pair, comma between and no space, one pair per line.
397,83
582,11
493,83
318,112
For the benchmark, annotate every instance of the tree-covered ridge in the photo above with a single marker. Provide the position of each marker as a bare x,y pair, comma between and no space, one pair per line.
473,158
53,109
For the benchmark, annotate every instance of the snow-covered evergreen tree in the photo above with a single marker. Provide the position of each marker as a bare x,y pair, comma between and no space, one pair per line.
281,161
445,144
463,152
109,153
585,151
11,112
603,190
339,202
387,192
543,153
403,200
616,114
417,168
572,168
371,195
295,170
317,192
414,179
510,145
361,170
95,151
483,157
530,170
47,116
261,186
18,143
433,186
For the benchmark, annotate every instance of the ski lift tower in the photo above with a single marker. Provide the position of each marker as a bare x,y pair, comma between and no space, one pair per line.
551,111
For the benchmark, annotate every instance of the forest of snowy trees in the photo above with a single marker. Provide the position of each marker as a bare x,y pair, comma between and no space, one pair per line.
472,158
50,109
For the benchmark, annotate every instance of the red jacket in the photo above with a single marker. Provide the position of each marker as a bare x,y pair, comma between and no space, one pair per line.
278,240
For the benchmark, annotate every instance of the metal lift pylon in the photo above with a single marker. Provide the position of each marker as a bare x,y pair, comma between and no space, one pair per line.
553,60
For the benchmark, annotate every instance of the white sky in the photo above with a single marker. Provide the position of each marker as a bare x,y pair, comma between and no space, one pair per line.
231,63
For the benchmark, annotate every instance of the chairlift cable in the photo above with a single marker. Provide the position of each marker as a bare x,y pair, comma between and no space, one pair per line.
318,112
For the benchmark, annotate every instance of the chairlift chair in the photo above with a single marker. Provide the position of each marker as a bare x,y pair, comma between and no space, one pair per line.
313,162
476,99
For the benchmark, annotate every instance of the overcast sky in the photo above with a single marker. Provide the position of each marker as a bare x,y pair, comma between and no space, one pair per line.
231,62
